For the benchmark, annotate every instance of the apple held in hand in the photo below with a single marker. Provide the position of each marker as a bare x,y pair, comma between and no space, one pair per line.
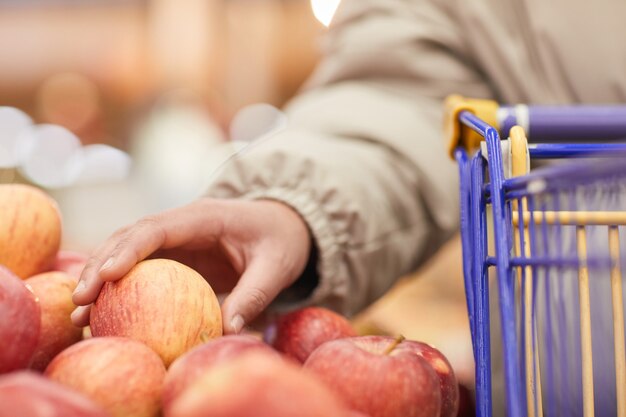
193,364
162,303
27,394
20,322
30,229
260,385
122,375
378,375
299,333
54,290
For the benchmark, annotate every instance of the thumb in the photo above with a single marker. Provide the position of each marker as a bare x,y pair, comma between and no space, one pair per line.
260,283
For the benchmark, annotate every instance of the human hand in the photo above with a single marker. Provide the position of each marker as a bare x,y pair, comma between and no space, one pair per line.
254,249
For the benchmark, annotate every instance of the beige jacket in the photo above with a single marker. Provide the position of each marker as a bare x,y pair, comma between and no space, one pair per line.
364,161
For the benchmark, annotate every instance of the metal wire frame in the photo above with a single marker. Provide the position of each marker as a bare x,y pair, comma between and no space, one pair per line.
510,202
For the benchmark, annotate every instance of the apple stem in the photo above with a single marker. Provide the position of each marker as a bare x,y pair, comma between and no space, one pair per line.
394,344
204,336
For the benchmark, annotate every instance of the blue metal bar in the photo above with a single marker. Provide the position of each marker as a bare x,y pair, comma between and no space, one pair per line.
523,307
515,405
550,385
564,262
565,123
575,150
482,341
476,124
532,237
564,176
466,233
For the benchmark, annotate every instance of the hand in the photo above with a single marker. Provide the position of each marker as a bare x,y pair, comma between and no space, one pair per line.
254,249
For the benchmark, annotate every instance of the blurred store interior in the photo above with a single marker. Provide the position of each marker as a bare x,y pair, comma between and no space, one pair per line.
160,80
119,108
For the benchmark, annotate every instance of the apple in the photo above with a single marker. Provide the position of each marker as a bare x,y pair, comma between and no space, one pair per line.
30,229
447,380
200,359
54,290
20,322
123,376
162,303
260,385
72,263
299,333
27,394
379,376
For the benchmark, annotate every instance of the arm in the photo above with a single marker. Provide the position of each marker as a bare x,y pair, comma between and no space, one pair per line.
363,164
363,160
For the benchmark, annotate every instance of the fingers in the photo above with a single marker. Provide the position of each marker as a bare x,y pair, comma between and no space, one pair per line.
116,258
80,316
133,244
145,237
258,286
90,283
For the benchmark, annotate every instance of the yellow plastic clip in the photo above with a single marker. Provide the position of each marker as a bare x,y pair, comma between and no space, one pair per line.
460,135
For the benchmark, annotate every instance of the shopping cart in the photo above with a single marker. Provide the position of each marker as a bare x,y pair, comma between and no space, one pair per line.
550,237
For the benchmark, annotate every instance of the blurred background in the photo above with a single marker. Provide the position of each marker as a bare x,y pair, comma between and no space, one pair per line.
168,83
120,108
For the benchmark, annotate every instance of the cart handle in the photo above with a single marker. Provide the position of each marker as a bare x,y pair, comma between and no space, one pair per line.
543,124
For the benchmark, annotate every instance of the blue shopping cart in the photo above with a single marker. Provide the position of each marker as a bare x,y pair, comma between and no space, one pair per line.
549,238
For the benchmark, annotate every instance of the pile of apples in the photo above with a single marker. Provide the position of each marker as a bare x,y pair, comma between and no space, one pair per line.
155,345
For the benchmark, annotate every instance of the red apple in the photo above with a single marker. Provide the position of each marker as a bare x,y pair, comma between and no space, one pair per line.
72,263
20,321
123,376
54,290
378,375
162,303
27,394
30,229
200,359
260,385
447,380
299,333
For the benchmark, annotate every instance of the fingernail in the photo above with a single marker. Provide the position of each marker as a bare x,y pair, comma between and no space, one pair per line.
237,323
80,287
107,264
77,311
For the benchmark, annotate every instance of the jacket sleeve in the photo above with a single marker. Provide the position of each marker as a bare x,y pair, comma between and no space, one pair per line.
363,159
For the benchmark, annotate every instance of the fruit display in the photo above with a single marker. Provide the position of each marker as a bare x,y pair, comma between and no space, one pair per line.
155,345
